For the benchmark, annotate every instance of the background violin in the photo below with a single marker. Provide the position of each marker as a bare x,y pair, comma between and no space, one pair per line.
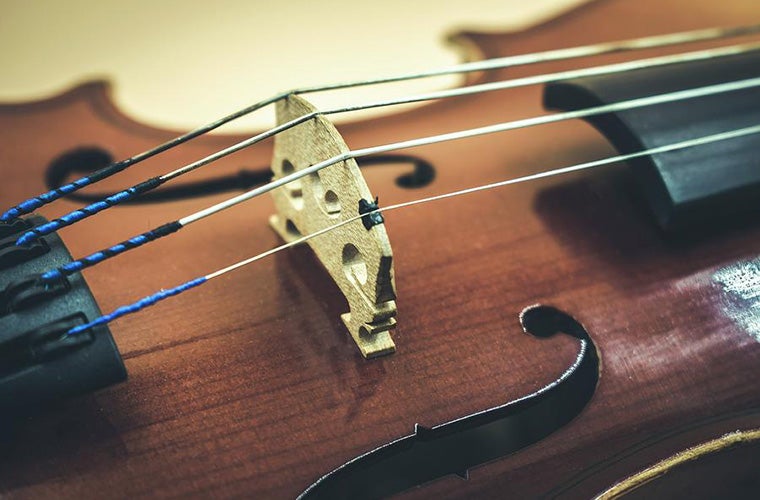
251,386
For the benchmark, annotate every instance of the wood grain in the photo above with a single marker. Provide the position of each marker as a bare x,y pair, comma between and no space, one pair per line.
250,386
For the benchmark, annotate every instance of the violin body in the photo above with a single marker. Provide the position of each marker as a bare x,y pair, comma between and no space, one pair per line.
250,386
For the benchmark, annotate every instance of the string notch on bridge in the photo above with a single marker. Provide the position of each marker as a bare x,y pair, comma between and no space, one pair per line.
371,215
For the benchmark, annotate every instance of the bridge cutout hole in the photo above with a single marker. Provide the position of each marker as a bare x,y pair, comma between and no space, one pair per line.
354,265
294,188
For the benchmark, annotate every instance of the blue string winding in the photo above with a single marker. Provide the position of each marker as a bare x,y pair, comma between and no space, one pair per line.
101,255
138,306
33,204
82,213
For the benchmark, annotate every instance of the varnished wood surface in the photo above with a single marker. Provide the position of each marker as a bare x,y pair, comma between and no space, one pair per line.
251,387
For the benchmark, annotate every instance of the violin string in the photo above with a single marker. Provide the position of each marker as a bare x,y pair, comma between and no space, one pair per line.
153,299
664,98
176,225
153,183
34,203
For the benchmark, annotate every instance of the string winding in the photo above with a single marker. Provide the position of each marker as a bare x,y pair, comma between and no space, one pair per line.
138,306
32,204
100,256
92,209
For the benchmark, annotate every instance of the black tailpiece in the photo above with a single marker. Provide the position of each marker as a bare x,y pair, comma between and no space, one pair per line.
39,363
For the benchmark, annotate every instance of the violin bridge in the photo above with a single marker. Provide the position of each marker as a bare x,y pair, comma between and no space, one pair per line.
359,260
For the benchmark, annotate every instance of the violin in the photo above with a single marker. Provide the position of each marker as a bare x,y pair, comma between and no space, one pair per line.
637,376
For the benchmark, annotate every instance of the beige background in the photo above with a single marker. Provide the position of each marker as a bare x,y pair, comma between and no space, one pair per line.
178,63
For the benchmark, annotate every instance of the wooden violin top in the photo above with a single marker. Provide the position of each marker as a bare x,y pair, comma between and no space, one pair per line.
252,387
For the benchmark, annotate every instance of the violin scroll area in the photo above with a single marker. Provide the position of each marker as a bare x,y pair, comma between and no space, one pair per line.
357,256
